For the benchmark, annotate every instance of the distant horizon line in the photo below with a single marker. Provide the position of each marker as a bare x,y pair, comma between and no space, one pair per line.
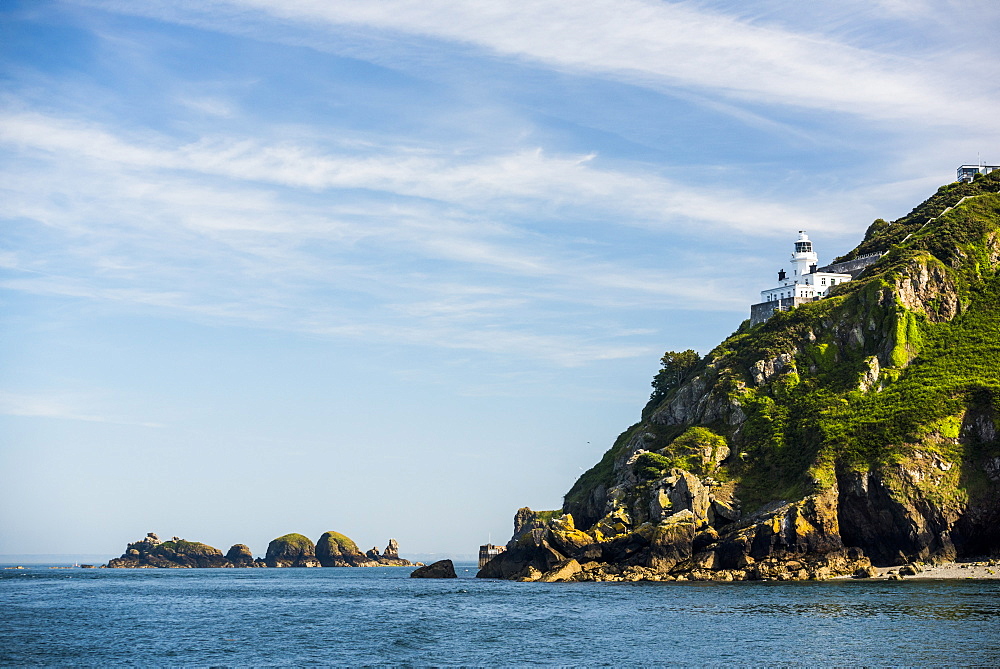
94,558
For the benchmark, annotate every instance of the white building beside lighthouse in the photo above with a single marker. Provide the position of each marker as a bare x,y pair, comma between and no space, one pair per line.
805,281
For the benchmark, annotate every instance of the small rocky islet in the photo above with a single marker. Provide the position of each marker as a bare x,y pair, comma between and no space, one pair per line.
290,550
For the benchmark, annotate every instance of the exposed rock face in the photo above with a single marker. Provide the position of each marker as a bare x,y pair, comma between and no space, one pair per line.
241,556
764,371
926,287
439,569
151,552
564,571
885,513
390,556
859,429
391,550
291,550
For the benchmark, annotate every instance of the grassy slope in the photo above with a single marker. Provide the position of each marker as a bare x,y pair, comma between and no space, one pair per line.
344,543
294,542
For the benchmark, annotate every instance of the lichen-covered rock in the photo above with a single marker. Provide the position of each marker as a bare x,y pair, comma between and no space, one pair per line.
291,550
672,541
566,537
564,571
615,524
439,569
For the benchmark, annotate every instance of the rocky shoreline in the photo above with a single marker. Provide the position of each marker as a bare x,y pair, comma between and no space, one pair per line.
548,548
290,550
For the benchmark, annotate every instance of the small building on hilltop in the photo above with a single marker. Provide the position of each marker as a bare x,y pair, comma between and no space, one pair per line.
806,282
966,173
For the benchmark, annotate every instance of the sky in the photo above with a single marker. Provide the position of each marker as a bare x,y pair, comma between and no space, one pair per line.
399,268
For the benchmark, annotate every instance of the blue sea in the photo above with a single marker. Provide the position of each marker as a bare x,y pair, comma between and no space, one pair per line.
239,617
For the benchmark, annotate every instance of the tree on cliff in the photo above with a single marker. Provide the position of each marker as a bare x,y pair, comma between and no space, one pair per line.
674,370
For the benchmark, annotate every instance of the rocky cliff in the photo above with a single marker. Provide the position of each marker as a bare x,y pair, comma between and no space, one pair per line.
854,430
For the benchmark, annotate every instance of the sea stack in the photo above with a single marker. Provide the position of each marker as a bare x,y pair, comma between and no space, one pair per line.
291,550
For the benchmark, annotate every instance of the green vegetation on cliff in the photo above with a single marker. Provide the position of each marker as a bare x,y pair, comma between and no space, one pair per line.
895,373
186,548
294,542
335,543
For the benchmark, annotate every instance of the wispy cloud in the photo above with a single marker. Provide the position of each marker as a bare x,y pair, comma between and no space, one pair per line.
208,105
483,182
655,44
209,229
62,406
458,243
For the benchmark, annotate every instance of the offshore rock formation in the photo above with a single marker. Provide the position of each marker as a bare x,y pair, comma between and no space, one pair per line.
439,569
240,556
390,556
177,553
291,550
336,550
852,431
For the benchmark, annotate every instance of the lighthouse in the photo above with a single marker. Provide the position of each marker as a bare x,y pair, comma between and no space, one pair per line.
804,259
804,281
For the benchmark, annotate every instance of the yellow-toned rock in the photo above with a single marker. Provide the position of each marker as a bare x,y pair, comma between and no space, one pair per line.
612,525
566,536
563,571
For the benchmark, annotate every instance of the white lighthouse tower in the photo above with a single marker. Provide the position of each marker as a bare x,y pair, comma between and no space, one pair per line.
804,259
